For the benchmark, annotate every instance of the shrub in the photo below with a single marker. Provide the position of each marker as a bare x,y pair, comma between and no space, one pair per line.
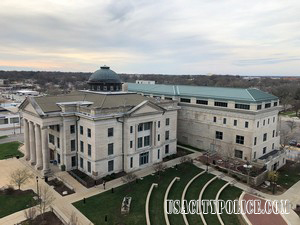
217,167
112,176
9,190
63,167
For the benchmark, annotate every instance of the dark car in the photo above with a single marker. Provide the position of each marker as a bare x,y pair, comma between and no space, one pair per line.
293,142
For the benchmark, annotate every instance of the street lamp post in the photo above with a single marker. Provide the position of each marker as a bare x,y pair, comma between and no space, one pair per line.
37,187
248,167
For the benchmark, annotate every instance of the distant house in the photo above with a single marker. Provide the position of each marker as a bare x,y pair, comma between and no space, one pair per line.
145,82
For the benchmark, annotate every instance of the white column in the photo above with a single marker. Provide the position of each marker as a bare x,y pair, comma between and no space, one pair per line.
62,144
32,143
26,140
38,147
46,151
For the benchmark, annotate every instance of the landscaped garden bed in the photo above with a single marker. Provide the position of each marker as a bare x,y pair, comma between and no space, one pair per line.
89,182
10,150
191,147
15,200
180,152
48,218
60,187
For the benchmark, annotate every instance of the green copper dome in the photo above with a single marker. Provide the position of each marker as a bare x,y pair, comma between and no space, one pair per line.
104,75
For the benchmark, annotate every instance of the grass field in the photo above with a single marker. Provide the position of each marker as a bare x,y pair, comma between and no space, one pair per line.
2,137
15,202
289,174
9,150
108,204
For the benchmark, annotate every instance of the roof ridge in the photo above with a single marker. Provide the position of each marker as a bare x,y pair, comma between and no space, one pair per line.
250,94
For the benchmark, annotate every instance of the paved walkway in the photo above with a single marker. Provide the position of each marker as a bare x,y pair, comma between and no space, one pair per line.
10,138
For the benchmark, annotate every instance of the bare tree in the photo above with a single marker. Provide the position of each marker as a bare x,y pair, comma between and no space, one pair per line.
20,177
45,199
73,219
159,167
30,214
129,178
291,124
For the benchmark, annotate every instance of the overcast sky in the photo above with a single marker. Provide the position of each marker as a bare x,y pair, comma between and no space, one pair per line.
146,36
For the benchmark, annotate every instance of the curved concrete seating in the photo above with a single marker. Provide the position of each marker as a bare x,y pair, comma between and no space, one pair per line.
200,197
217,197
165,199
147,203
184,192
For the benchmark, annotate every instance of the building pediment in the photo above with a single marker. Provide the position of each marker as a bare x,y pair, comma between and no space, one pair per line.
146,107
30,106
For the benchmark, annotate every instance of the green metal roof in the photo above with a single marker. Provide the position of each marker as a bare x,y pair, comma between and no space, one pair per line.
219,93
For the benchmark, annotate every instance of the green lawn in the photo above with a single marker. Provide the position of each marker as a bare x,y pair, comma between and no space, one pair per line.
210,194
177,189
193,194
289,174
2,137
288,113
14,203
9,150
230,193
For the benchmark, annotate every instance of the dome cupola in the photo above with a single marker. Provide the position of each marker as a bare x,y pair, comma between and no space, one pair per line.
105,80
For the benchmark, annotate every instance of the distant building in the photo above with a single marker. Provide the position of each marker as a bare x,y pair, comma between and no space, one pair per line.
3,82
145,82
9,119
27,93
100,131
235,122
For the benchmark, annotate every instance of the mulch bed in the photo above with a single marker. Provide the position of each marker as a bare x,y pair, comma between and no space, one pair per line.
49,219
16,192
60,187
180,152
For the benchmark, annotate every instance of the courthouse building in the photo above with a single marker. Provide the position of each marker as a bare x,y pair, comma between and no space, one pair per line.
99,131
235,122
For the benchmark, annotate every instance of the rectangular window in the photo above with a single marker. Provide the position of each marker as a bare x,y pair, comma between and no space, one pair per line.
264,123
224,120
257,124
81,146
147,140
89,150
89,168
273,146
219,135
273,135
215,119
265,137
73,145
268,120
187,100
81,163
255,140
158,153
246,124
275,104
3,120
264,150
81,130
168,98
110,149
242,106
238,154
201,102
167,149
57,128
58,158
110,165
158,124
110,132
131,162
274,119
267,105
221,104
147,126
58,142
131,144
239,139
144,158
51,139
167,135
140,142
89,132
254,155
167,121
235,123
131,129
258,107
73,161
72,129
14,120
140,127
158,137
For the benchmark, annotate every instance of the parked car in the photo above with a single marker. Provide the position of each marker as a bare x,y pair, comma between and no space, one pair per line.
293,143
298,145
